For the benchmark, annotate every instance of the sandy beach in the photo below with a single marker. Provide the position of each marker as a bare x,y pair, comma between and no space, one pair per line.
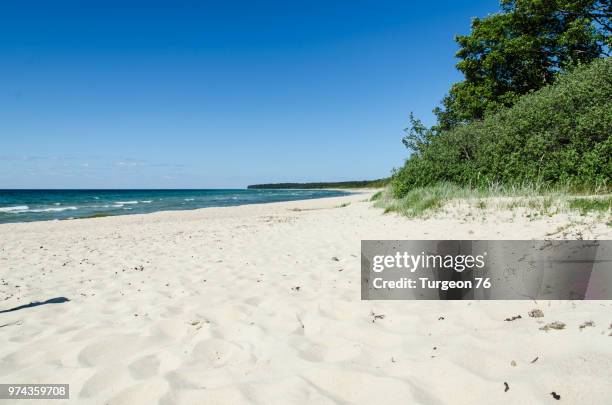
261,304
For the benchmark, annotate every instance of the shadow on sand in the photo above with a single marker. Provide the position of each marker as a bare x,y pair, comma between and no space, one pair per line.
58,300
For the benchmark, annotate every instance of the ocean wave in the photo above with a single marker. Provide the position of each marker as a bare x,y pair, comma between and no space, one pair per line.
116,205
15,209
147,201
126,202
189,199
51,209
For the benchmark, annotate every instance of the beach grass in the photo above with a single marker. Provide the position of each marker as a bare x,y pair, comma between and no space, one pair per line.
376,196
595,204
534,198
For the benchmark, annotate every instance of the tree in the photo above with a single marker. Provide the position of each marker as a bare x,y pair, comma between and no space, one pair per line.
417,136
522,49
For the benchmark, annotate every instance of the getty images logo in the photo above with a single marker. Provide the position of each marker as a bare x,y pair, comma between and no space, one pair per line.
412,262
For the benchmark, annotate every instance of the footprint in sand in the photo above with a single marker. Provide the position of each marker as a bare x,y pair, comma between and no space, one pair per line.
144,367
115,349
331,350
217,353
102,380
254,301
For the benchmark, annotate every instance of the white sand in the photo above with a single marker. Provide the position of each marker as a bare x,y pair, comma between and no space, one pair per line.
214,314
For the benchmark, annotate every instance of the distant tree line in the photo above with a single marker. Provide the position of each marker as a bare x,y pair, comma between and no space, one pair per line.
341,184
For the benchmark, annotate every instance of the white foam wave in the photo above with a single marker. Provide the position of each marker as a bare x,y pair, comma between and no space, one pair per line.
126,202
189,199
147,201
52,209
15,209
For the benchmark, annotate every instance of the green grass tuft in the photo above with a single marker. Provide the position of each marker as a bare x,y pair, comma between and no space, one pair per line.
377,196
417,202
591,204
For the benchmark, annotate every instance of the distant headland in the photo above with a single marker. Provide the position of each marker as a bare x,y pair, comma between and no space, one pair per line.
338,184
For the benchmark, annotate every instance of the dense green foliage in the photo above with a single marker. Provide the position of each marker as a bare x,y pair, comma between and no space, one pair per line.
341,184
560,134
520,49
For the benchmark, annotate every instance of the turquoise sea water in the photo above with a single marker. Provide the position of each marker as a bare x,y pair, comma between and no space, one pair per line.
42,205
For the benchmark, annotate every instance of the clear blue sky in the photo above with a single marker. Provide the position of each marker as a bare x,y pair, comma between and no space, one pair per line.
104,94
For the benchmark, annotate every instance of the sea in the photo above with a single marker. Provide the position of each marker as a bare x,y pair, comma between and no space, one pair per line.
48,205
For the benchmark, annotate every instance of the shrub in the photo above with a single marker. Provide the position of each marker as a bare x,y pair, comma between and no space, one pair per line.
558,135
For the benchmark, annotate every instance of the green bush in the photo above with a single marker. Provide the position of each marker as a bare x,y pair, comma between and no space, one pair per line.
558,135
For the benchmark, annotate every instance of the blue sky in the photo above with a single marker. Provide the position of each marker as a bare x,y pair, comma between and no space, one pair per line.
218,94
